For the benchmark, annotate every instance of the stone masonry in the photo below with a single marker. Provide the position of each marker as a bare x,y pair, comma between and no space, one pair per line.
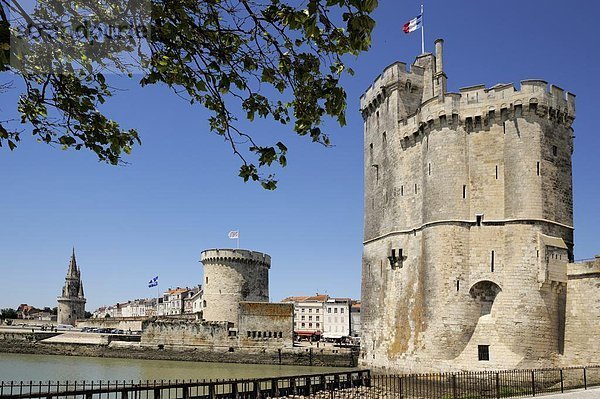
71,303
232,276
468,221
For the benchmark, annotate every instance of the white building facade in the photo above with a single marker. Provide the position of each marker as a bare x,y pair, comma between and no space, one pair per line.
337,318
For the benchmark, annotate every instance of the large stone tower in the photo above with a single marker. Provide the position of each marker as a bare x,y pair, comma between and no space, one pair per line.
71,303
230,277
468,221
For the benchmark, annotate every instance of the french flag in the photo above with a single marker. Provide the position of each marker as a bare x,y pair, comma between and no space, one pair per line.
413,24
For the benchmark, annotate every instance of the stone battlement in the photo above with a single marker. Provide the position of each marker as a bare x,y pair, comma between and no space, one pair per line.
590,268
237,255
393,75
545,100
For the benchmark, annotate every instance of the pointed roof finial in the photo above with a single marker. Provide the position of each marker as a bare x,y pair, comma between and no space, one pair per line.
73,266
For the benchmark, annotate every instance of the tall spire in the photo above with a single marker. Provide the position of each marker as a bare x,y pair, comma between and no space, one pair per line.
73,271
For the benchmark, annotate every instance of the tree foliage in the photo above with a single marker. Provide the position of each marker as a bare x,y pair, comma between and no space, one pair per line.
8,313
277,59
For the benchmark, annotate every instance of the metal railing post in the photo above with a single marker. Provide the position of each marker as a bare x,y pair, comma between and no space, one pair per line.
256,389
497,385
533,382
234,390
562,386
454,386
584,378
293,385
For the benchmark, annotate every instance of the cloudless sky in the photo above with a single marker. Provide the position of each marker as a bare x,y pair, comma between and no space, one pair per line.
180,194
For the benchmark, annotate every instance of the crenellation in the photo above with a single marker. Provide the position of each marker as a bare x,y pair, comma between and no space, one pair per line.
478,176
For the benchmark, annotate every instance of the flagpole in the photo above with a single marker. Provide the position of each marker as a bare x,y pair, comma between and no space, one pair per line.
422,32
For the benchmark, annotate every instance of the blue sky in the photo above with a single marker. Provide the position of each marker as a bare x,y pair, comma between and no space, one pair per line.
180,193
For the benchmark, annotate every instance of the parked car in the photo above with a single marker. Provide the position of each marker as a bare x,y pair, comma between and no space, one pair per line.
64,327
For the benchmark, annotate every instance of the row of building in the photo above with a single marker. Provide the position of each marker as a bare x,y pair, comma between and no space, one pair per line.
173,302
322,316
318,316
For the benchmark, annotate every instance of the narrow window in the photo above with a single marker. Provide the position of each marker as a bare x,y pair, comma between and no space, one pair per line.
415,188
457,285
504,114
492,117
249,334
455,119
518,110
469,124
429,168
496,172
554,150
371,150
402,190
504,127
443,120
478,122
533,107
464,191
538,168
492,262
384,139
479,219
538,253
206,280
483,352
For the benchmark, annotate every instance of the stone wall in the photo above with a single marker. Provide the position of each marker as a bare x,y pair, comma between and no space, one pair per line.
120,323
474,190
181,333
290,356
266,324
583,313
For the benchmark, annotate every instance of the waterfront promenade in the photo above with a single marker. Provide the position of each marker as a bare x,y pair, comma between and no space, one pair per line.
588,394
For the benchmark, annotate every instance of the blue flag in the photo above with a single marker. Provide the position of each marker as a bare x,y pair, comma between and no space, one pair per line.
153,282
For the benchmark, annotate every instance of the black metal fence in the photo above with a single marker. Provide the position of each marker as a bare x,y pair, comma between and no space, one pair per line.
484,384
305,385
360,384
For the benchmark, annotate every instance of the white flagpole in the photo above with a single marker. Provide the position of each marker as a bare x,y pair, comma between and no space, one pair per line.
422,32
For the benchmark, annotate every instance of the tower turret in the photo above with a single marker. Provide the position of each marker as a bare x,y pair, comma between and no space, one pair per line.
71,304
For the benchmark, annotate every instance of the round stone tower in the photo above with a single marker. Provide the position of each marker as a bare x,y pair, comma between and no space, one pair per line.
468,221
230,277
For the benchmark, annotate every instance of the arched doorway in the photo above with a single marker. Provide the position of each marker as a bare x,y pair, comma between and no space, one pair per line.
484,293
